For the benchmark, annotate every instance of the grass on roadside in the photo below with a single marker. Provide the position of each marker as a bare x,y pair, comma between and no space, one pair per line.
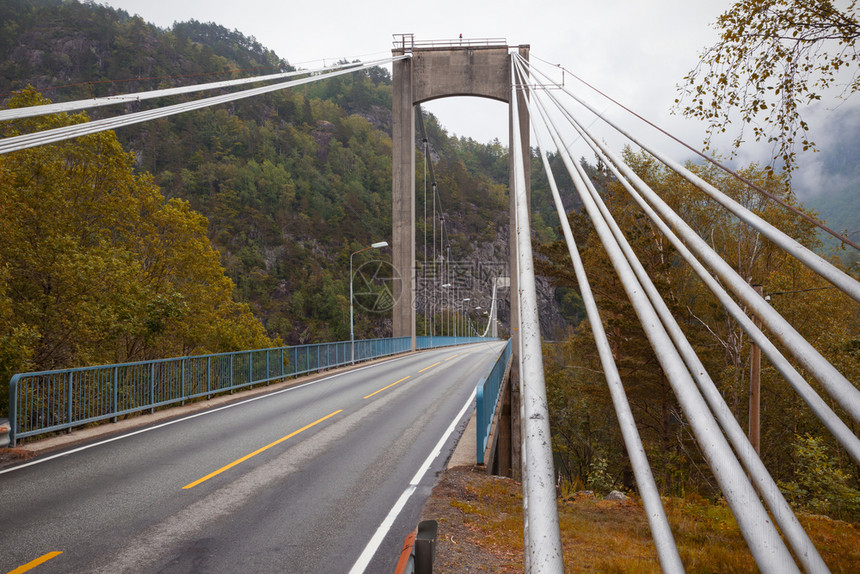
613,536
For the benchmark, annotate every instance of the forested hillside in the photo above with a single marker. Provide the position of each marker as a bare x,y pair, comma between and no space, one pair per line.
290,183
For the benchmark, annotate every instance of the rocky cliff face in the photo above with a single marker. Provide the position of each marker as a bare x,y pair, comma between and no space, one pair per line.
490,259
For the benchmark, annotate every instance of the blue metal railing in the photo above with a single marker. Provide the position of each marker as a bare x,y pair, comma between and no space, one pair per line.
487,400
50,401
427,342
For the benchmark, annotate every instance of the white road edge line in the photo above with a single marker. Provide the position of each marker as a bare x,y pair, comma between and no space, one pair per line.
370,550
200,414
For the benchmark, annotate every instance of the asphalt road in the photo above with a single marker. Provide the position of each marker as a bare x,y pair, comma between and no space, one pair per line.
329,476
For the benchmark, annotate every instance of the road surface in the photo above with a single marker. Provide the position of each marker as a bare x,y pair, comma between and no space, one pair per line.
327,476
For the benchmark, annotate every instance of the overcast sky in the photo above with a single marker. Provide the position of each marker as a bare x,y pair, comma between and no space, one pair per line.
636,51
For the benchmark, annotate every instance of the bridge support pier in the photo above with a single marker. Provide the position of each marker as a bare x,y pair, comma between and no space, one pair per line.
403,199
435,70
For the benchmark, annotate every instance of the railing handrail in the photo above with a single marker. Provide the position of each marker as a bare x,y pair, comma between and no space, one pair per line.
48,401
185,357
408,42
487,400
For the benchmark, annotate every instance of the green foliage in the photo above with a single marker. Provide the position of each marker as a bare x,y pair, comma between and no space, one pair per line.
599,479
95,265
820,486
290,183
583,422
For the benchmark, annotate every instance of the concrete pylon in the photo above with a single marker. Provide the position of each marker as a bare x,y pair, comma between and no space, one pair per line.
437,70
403,198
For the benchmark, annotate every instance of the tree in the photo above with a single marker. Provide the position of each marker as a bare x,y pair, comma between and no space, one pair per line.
97,267
575,386
773,57
819,485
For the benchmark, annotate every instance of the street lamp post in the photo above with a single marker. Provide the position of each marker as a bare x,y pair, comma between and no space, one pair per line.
446,323
376,245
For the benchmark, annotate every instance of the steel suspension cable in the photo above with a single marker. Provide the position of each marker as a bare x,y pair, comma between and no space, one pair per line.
437,198
788,244
713,161
68,132
667,551
820,408
756,526
836,384
543,549
799,541
31,111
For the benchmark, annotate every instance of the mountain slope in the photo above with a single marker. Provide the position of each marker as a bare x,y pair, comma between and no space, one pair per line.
292,183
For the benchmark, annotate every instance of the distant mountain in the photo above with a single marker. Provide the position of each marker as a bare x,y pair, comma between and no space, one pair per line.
829,181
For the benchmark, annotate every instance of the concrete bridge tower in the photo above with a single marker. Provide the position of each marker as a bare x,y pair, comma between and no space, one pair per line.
437,70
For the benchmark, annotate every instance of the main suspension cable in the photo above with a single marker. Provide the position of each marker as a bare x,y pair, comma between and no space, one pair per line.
25,141
788,244
764,483
757,528
667,550
844,239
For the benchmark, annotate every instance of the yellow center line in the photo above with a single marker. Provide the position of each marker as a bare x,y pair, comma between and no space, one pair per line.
430,367
388,387
32,564
452,356
258,451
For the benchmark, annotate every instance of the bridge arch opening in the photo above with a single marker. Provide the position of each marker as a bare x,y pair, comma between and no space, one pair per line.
437,70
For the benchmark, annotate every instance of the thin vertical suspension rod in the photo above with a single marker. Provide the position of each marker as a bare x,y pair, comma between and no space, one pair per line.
764,541
543,549
424,287
799,541
667,551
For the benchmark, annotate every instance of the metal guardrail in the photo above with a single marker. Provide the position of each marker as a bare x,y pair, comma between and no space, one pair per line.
407,42
427,342
419,549
50,401
487,400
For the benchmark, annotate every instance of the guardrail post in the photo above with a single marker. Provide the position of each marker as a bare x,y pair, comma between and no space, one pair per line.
182,381
152,389
230,378
425,546
69,400
114,399
480,428
251,369
13,410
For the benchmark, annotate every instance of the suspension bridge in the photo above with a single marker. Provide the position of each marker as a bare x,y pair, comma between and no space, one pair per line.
322,414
